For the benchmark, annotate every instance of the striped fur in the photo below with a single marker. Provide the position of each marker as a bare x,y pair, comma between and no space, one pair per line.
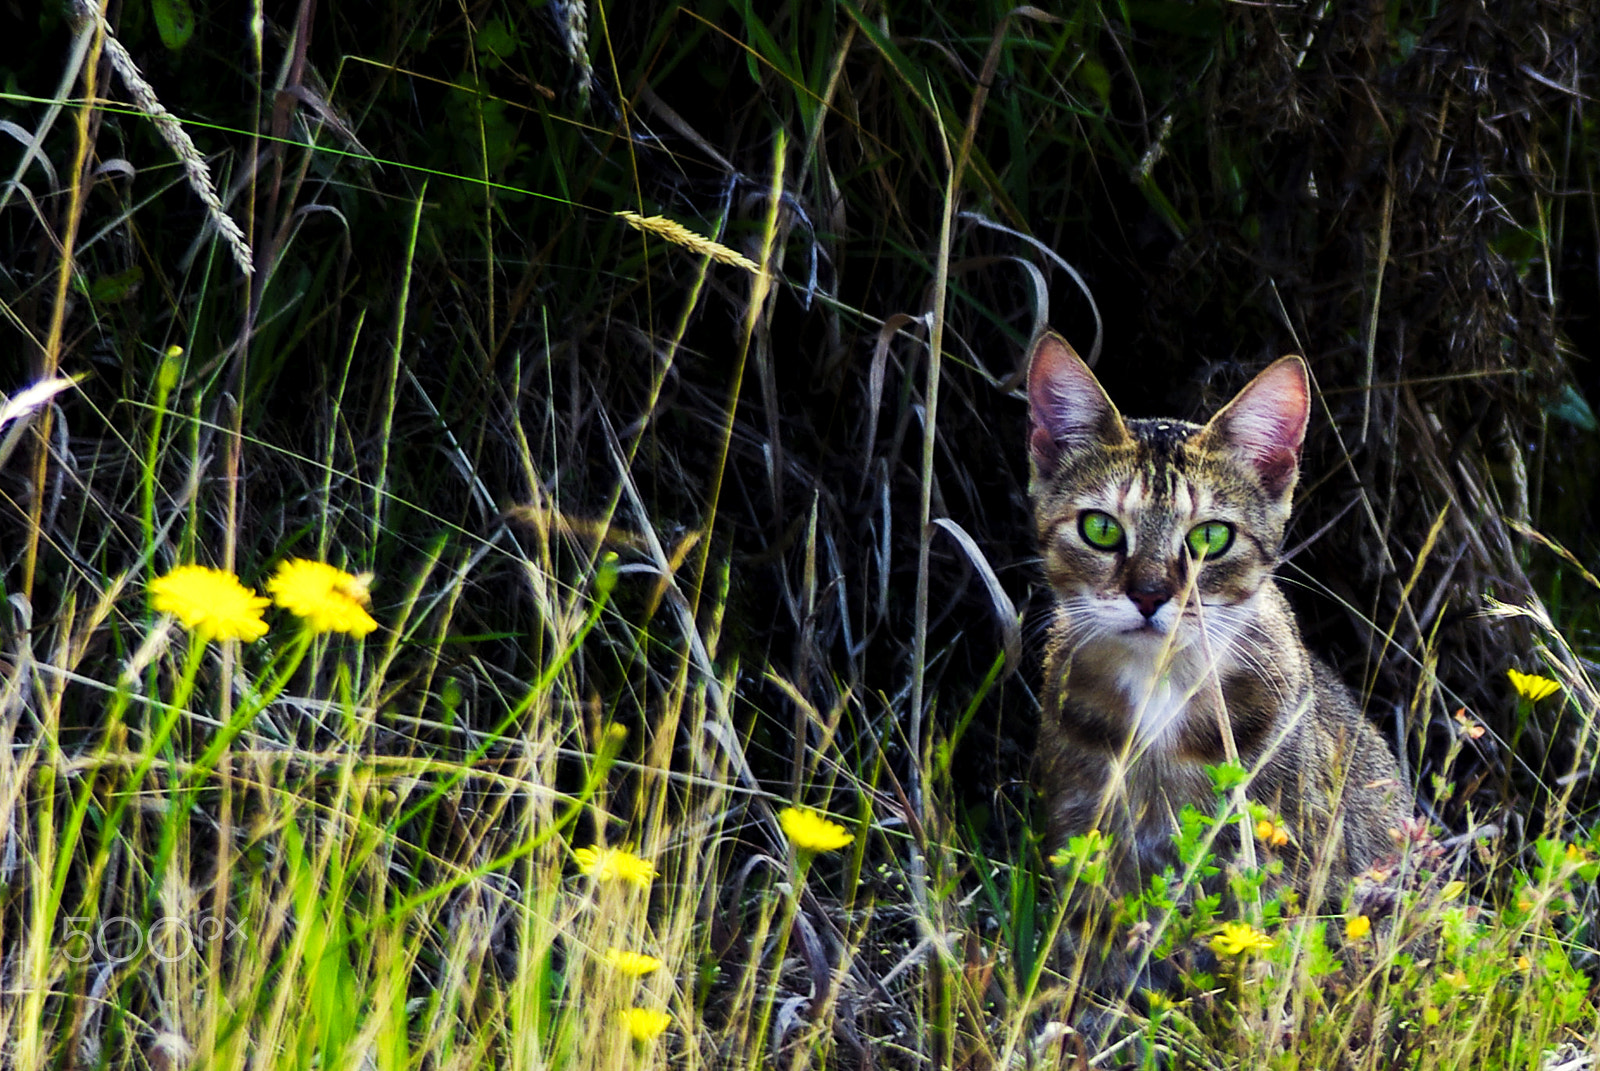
1159,662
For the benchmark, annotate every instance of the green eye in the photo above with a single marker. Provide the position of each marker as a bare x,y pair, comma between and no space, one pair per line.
1211,539
1100,530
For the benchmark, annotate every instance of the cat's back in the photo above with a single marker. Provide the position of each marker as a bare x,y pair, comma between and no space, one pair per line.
1375,796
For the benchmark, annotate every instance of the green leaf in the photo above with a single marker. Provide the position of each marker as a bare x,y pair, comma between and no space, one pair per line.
174,22
1574,409
1226,776
1094,75
109,289
495,43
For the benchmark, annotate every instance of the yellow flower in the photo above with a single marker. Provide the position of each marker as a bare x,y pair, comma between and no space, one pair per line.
329,599
810,832
1239,938
1457,978
603,864
212,602
1271,834
1531,686
635,964
646,1024
1523,963
1356,928
1576,855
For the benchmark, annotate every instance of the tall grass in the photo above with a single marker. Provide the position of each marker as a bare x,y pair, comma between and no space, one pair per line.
659,367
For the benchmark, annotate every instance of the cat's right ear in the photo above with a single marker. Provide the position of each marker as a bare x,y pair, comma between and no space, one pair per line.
1068,406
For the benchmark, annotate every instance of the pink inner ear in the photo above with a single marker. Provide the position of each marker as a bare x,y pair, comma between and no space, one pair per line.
1068,405
1266,422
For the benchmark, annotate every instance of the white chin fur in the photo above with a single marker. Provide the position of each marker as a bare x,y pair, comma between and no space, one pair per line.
1164,666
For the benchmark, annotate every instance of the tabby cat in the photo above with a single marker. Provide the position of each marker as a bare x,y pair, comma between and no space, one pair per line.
1171,647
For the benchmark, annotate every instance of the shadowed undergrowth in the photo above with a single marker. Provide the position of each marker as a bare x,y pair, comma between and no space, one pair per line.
679,520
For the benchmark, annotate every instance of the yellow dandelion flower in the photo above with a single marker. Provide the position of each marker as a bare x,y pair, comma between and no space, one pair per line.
327,598
646,1024
1356,928
1238,939
211,602
604,864
1531,686
633,964
1271,834
810,832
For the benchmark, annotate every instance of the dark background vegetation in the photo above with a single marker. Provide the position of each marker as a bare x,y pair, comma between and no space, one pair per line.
1404,192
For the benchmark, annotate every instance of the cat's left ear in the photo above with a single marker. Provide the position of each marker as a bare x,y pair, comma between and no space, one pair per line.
1266,422
1069,407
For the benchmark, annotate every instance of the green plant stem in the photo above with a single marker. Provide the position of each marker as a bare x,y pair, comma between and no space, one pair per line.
791,907
152,453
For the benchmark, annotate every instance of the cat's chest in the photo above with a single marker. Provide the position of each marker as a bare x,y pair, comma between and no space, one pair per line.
1143,692
1155,697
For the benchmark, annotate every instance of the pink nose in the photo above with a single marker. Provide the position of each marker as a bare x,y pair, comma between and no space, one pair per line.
1149,600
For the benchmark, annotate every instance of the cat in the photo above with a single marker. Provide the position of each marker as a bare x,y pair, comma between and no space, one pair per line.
1171,647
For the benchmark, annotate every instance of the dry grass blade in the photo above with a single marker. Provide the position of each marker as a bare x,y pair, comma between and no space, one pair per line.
1041,314
26,402
1005,611
31,155
34,143
1092,358
875,376
1529,532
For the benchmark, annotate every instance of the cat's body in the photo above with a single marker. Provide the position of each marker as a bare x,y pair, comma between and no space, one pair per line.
1171,647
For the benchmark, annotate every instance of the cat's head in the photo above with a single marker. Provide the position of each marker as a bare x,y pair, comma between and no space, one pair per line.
1140,520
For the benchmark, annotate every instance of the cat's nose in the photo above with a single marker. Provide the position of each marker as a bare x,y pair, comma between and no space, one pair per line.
1149,600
